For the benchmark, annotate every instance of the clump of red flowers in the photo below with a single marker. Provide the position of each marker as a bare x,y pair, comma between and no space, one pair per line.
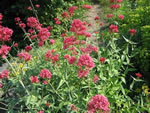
132,31
113,28
4,74
72,9
34,79
98,103
51,55
4,50
87,6
25,56
121,17
28,48
102,60
45,73
139,75
95,78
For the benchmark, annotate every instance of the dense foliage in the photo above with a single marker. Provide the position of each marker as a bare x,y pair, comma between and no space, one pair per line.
61,70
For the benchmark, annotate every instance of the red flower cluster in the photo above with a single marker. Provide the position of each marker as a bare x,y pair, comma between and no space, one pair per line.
121,17
34,79
95,78
28,48
37,5
72,9
110,15
86,61
102,59
139,75
32,22
113,28
65,15
51,56
40,111
19,22
4,74
89,48
115,6
71,59
87,6
4,50
57,21
1,17
45,73
68,41
25,56
98,103
78,27
43,35
97,18
5,33
51,41
132,31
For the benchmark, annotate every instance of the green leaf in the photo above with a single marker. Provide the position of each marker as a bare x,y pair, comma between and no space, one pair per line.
129,41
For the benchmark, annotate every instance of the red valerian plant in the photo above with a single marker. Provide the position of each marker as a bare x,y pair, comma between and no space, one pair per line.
102,60
34,79
4,74
45,73
98,103
87,6
24,55
139,75
113,28
4,50
121,17
132,31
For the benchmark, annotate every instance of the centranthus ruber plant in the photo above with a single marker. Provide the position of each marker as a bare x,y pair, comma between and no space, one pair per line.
68,74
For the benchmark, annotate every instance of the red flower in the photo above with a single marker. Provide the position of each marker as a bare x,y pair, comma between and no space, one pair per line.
110,15
51,41
121,17
65,15
98,103
102,60
87,6
1,85
32,22
96,18
4,50
41,111
95,78
5,33
72,9
45,82
113,28
58,22
139,75
47,104
25,55
22,25
72,60
86,60
34,79
37,5
29,8
82,73
68,41
119,1
45,73
132,31
28,48
43,34
1,16
4,74
15,44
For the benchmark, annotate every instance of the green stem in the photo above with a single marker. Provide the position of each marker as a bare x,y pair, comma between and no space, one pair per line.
24,87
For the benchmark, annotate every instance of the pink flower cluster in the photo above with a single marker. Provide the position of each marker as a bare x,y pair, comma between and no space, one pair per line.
34,79
72,9
32,22
45,73
68,42
87,6
43,35
65,15
89,48
4,74
98,103
79,28
115,6
71,59
51,55
86,62
5,33
1,17
19,22
132,31
24,55
57,21
28,48
110,15
4,50
121,17
113,28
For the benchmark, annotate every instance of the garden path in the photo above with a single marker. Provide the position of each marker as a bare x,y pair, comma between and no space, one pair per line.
96,10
